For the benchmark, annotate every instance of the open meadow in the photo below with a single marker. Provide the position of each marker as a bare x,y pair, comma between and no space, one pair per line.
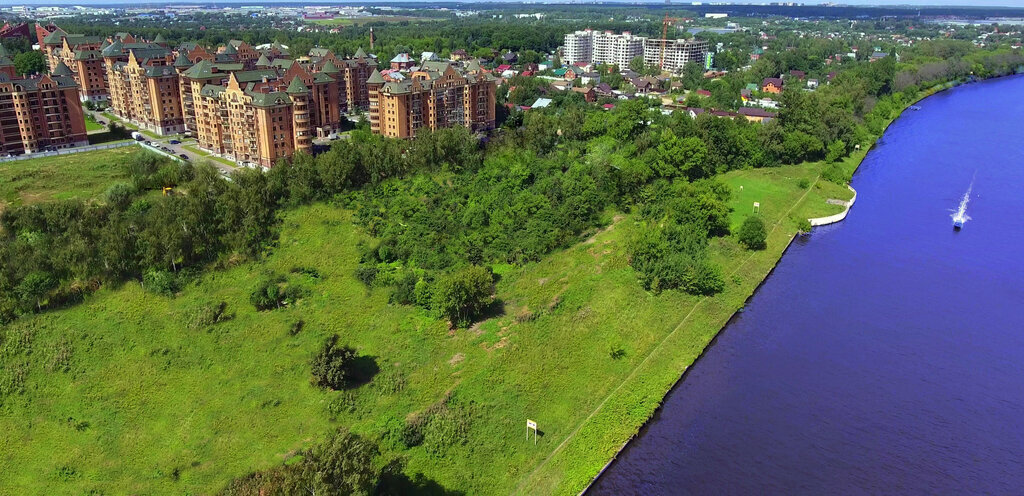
130,392
82,176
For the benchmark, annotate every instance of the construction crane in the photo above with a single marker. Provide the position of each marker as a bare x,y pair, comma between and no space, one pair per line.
669,21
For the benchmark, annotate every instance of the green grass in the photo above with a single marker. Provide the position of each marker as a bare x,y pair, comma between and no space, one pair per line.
147,397
77,175
92,125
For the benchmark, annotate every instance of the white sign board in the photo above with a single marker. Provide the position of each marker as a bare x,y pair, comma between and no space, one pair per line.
531,425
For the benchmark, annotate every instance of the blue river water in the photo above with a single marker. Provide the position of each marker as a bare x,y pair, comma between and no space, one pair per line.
885,354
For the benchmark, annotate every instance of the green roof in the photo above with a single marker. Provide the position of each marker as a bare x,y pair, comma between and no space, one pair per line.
318,52
282,63
211,90
159,38
329,68
375,78
114,50
473,65
53,38
270,99
320,77
360,54
6,61
229,49
61,70
87,55
182,60
3,52
257,75
296,86
202,69
263,61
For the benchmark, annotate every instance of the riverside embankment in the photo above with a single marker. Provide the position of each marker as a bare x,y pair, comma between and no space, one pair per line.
879,354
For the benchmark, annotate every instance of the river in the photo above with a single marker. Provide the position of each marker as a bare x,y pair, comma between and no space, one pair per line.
885,354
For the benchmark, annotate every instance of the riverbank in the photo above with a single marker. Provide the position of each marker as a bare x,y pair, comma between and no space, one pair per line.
683,367
828,378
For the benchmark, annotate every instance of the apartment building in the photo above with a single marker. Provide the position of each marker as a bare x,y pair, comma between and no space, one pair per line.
261,116
595,47
435,96
678,53
39,113
355,72
144,89
80,54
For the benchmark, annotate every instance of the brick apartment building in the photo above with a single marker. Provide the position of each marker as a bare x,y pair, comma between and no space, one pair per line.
39,113
435,96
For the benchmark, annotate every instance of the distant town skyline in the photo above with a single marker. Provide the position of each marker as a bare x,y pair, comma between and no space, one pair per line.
860,3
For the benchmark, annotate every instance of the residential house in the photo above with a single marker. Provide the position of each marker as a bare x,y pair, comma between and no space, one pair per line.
754,114
589,94
772,85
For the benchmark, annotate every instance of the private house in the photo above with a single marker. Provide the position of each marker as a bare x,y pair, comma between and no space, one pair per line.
772,85
754,114
589,95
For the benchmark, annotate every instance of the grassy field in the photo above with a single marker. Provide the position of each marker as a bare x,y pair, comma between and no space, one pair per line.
77,175
122,395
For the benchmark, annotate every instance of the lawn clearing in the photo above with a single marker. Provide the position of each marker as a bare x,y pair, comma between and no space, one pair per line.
80,175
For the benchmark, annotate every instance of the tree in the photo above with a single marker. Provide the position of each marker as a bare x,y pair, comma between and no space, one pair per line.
462,295
836,151
30,62
35,286
332,366
752,233
636,64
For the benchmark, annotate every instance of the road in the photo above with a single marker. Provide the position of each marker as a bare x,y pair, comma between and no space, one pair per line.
164,143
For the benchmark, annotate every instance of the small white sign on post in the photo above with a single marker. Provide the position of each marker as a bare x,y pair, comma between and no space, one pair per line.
757,207
531,425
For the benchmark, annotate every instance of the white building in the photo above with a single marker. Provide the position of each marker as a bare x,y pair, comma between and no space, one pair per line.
596,47
678,53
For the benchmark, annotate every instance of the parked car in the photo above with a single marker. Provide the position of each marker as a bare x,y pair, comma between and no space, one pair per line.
182,155
174,142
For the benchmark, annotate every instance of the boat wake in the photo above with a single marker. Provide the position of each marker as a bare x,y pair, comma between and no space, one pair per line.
959,215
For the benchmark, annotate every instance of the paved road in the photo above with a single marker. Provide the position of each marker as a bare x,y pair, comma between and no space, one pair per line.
179,149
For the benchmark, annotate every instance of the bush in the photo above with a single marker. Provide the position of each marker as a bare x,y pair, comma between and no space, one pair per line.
835,173
160,282
273,292
366,275
753,233
675,257
462,295
332,366
208,315
404,291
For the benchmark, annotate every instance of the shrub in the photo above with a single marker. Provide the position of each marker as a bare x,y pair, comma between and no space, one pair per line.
674,257
366,274
160,282
404,291
332,365
273,292
462,295
753,233
208,315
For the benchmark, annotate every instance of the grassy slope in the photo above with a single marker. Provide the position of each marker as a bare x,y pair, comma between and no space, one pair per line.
78,175
217,403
